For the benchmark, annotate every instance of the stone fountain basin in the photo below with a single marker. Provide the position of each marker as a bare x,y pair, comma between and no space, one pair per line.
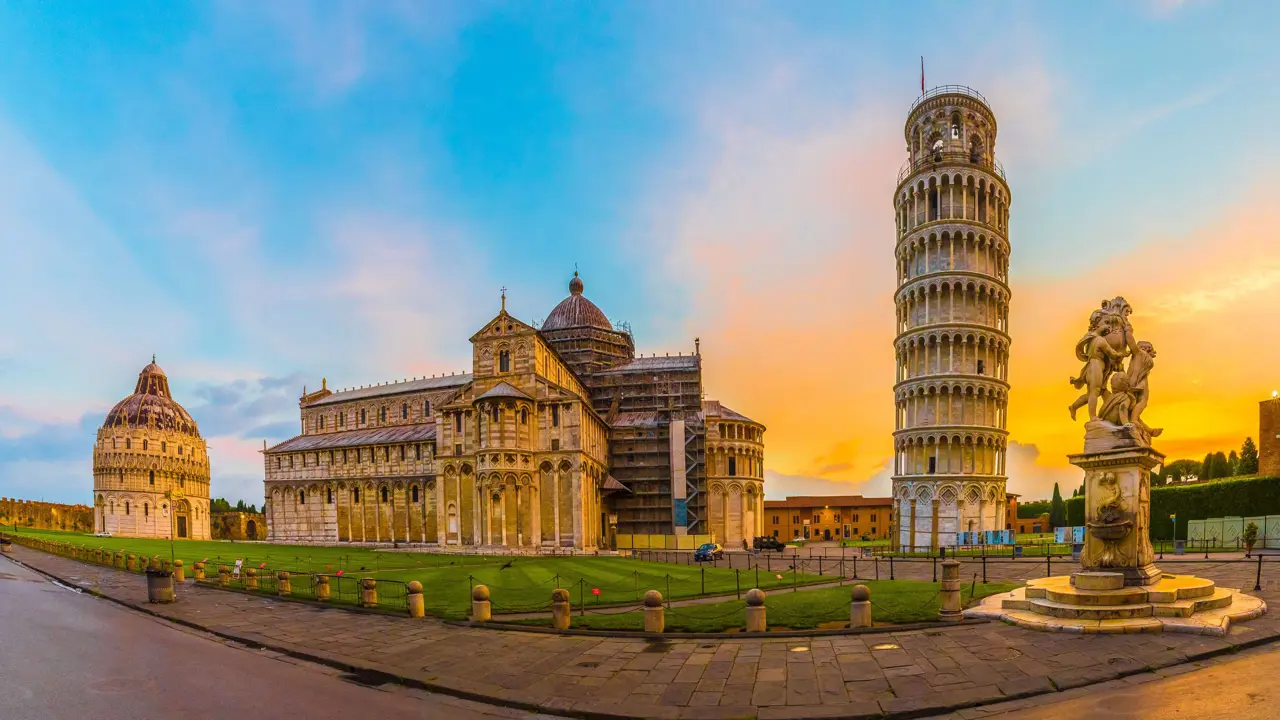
1110,531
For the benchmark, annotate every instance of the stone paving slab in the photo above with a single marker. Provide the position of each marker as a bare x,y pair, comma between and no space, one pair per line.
893,674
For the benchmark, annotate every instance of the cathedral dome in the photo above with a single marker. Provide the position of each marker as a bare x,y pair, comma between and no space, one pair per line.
151,406
576,311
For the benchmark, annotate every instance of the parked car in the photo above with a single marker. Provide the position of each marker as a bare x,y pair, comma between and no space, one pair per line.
102,534
708,552
769,542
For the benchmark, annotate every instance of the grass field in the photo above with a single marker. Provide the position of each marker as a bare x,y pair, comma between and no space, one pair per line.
524,584
900,601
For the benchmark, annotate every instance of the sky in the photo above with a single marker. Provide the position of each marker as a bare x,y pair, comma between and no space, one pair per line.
267,194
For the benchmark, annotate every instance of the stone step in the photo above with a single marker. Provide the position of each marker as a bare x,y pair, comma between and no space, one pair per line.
1098,580
1079,612
1077,596
1220,598
1181,587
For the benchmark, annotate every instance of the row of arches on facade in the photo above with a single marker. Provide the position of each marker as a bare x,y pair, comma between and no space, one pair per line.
953,250
957,301
951,404
143,516
943,132
408,411
956,353
148,445
951,454
953,196
505,424
735,461
497,507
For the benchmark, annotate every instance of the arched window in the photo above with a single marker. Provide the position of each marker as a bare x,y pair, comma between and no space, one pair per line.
417,452
457,422
362,416
321,422
146,510
113,507
144,444
342,419
329,496
401,452
404,411
524,416
426,408
355,495
733,466
384,494
302,498
504,361
128,444
955,126
495,413
152,476
126,507
415,493
113,443
382,414
164,446
179,449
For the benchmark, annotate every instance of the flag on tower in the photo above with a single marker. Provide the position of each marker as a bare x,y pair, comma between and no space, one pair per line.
921,74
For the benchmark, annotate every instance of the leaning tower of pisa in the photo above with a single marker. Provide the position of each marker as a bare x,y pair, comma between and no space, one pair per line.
952,346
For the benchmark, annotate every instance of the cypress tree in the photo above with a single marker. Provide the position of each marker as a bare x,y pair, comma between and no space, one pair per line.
1206,468
1220,467
1057,509
1248,464
1233,463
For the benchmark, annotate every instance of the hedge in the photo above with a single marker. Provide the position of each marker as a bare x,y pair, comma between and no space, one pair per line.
1229,497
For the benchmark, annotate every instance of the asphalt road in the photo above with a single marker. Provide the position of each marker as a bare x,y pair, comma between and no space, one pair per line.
64,654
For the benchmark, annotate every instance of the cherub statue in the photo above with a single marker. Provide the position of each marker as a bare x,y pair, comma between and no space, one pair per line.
1100,358
1139,368
1117,409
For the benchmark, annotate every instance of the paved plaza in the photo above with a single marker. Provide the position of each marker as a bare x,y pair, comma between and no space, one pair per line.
891,673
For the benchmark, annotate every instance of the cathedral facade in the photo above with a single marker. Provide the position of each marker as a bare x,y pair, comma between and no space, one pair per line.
150,466
559,437
952,346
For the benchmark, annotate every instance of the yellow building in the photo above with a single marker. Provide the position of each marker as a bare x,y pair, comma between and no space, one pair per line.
828,517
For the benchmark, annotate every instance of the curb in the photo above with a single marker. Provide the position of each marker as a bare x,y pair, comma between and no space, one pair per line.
386,675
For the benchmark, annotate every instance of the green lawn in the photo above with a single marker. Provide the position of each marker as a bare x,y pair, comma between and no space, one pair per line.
900,601
516,584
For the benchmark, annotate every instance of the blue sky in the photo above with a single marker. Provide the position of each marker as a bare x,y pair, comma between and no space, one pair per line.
264,194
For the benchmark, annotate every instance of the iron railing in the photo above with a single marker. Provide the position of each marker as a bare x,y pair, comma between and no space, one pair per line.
951,90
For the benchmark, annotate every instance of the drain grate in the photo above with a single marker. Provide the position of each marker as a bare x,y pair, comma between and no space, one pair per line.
588,664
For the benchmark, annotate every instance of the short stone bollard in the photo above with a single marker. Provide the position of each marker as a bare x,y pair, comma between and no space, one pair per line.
417,605
197,571
480,604
131,563
369,593
251,579
179,572
860,607
322,588
159,586
755,611
224,576
655,614
6,547
560,609
283,585
119,560
949,598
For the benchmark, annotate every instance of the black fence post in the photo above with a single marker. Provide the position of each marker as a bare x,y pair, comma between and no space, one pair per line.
1206,548
757,574
704,581
935,569
1257,584
877,561
855,567
824,552
891,567
737,582
984,568
1048,562
582,608
668,591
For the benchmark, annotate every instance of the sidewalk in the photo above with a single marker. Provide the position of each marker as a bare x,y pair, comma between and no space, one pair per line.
903,674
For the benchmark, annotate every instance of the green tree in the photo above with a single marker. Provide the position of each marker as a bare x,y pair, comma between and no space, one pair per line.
219,505
1233,462
1248,464
1206,468
1057,509
1221,469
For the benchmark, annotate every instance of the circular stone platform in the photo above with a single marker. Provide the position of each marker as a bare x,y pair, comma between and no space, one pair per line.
1100,602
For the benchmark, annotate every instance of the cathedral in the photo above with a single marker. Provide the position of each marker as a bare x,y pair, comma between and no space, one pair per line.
560,437
150,466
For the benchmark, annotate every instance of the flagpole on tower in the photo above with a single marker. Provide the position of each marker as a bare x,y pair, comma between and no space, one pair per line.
922,75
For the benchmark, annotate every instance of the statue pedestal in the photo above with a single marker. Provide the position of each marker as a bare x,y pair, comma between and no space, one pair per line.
1118,512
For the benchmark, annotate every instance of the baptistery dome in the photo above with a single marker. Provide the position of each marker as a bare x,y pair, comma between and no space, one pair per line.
151,406
150,466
